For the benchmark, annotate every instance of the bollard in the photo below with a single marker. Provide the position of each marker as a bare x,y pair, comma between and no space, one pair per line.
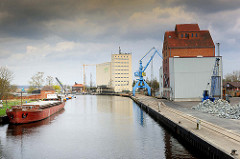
159,106
234,152
198,124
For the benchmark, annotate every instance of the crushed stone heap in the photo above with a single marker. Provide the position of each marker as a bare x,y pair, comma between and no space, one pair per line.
220,108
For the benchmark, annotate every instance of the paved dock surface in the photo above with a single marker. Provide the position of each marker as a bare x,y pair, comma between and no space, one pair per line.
223,134
185,107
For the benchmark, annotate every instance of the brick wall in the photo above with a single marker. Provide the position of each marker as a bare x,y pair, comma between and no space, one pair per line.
206,52
44,93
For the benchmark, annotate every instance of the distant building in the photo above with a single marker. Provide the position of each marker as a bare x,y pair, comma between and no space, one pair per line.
47,90
103,74
104,89
232,88
116,75
188,61
77,88
121,79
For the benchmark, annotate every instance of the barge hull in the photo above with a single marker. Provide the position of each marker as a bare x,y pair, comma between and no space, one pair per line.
20,116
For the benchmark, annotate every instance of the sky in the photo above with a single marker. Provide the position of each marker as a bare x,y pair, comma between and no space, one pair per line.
58,36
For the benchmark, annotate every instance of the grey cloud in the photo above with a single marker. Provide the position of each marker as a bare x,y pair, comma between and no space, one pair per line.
209,6
38,23
28,18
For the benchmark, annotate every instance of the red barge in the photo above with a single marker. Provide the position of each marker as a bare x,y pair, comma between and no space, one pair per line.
35,111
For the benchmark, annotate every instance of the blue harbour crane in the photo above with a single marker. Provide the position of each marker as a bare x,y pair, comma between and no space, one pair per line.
141,83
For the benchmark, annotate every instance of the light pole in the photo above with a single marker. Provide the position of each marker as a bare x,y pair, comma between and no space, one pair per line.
218,44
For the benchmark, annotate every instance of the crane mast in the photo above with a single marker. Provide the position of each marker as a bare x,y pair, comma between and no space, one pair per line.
215,78
84,75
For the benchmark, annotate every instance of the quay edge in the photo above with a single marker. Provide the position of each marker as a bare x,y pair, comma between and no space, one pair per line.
196,142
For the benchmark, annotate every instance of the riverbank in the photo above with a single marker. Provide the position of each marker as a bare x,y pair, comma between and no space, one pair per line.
9,103
212,140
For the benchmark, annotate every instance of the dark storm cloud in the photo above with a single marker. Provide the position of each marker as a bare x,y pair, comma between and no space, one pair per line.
26,18
39,18
209,6
105,20
92,20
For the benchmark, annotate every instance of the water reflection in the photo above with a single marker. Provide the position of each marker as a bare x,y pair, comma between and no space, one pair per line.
114,104
14,130
92,127
141,119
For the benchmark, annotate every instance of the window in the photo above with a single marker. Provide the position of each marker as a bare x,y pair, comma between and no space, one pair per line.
186,35
192,34
181,35
196,35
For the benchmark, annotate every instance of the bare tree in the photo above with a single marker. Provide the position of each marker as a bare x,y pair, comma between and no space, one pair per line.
49,81
232,77
5,78
37,80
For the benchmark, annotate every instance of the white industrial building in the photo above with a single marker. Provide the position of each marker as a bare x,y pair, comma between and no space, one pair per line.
122,71
188,77
116,74
103,74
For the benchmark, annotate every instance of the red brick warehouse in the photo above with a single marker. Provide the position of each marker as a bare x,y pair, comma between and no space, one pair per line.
186,41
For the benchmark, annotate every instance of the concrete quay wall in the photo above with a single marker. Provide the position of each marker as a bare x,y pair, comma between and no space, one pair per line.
196,142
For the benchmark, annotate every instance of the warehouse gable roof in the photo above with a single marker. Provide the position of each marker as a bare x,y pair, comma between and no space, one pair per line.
187,27
78,85
234,84
196,38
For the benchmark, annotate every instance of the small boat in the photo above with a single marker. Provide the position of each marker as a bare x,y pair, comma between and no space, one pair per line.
35,111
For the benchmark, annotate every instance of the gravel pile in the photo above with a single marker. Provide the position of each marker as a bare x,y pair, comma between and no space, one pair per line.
220,108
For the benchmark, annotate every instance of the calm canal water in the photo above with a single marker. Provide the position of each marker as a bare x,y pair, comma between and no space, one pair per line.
91,127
